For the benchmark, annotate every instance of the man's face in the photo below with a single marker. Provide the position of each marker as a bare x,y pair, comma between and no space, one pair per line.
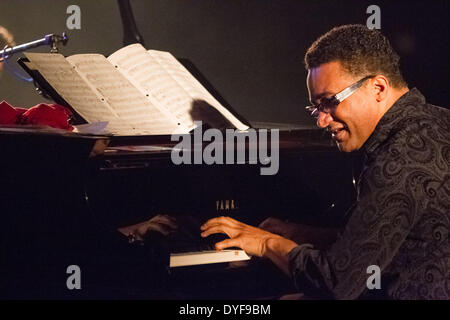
355,118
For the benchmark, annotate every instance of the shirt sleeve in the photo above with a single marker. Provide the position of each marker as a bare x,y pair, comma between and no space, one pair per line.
389,194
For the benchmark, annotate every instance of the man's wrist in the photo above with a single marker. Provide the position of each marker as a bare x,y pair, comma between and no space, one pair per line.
278,246
277,249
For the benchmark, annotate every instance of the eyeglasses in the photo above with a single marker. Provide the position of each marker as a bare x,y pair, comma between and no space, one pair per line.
328,105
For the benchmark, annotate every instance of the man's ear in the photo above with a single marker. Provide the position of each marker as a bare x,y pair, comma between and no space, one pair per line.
380,86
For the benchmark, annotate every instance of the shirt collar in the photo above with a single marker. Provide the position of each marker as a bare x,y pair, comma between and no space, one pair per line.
390,120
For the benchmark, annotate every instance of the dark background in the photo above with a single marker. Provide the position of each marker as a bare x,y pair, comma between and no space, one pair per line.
250,50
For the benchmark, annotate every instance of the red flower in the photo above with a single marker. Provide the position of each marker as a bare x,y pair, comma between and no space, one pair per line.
52,115
9,114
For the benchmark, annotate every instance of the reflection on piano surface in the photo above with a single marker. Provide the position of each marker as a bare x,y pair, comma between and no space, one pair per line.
62,205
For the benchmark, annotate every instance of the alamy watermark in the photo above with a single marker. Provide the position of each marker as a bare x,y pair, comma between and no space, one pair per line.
74,279
236,147
374,20
74,20
374,280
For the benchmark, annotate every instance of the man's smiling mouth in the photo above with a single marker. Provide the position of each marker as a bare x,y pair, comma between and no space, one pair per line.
337,133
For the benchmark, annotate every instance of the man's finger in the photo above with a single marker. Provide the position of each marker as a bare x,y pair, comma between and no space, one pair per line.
228,243
215,229
213,222
218,221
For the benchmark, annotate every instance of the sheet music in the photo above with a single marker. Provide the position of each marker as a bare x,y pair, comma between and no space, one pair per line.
123,97
135,90
75,90
150,77
191,85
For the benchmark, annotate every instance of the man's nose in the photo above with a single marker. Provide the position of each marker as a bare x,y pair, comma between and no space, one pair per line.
324,119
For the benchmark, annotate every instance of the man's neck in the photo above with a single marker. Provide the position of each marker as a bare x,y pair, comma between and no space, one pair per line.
393,97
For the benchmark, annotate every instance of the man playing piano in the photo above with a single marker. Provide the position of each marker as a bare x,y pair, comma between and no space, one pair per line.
400,222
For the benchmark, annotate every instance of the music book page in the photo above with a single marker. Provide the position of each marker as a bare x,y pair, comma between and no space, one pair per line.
154,81
123,97
61,75
162,77
191,85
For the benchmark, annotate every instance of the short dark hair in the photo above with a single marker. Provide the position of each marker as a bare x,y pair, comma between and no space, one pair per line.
360,50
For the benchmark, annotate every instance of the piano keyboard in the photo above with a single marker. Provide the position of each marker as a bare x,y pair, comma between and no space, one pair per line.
202,251
206,257
187,248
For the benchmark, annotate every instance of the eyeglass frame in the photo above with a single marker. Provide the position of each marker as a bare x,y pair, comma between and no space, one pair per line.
336,99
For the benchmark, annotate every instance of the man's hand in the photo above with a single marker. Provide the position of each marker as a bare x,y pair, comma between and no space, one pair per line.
320,237
279,227
252,240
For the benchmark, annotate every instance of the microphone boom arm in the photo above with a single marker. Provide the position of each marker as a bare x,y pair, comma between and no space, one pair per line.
52,40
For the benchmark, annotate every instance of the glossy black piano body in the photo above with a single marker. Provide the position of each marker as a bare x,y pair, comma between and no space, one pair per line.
63,197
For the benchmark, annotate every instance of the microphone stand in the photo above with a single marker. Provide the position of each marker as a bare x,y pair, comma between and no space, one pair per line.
52,40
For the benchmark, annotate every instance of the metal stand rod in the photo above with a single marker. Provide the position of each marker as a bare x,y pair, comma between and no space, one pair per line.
50,39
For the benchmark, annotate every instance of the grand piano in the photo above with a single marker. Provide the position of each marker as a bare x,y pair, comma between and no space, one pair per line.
64,196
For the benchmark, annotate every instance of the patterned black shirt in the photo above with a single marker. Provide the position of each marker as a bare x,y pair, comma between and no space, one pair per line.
401,219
